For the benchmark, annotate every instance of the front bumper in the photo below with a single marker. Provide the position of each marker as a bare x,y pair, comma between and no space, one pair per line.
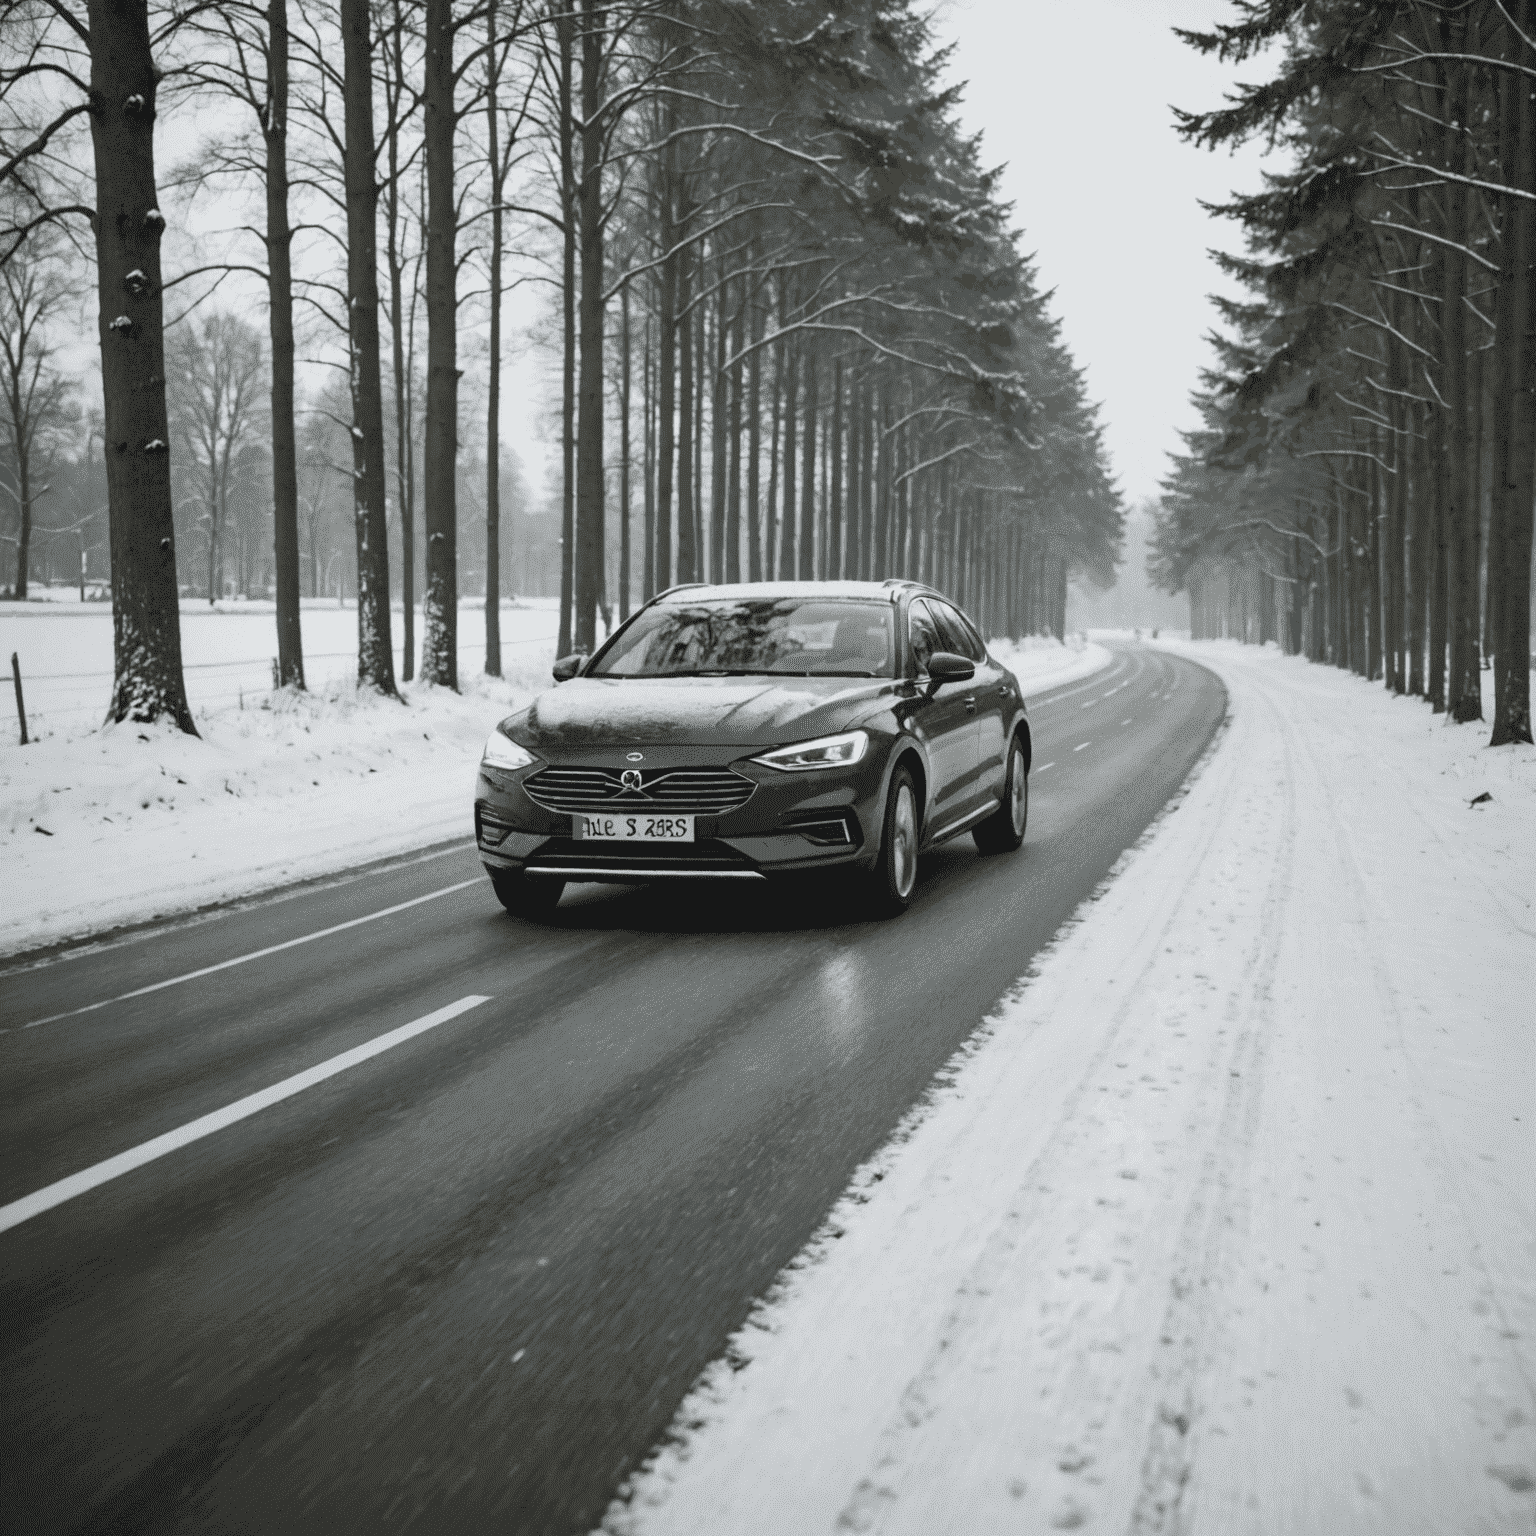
791,822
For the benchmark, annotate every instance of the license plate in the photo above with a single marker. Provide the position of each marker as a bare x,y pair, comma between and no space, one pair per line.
627,828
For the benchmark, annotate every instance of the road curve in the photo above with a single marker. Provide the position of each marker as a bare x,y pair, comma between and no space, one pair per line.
462,1284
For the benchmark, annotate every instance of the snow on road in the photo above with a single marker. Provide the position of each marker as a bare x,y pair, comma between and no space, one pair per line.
100,827
1224,1223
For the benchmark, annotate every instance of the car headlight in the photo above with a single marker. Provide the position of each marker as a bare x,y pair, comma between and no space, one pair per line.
504,753
825,752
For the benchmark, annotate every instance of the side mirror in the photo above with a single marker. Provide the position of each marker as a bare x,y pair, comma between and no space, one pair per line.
568,666
946,667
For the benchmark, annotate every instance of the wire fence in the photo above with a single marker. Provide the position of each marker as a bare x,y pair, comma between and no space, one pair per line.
52,695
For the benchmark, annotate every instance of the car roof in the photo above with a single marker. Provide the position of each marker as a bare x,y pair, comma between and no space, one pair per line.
872,591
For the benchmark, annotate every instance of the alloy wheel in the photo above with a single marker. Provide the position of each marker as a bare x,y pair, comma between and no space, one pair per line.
904,842
1018,791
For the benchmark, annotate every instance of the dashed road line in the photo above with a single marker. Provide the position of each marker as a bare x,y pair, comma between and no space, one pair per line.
255,954
1079,747
87,1179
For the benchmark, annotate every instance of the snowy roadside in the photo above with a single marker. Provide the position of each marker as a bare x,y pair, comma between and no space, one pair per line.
103,827
1224,1223
117,825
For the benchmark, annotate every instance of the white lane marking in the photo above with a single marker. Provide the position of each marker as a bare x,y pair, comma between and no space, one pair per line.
1127,720
1089,704
45,1199
1079,747
1044,766
255,954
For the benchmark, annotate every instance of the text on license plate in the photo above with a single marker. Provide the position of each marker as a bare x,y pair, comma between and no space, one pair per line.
634,829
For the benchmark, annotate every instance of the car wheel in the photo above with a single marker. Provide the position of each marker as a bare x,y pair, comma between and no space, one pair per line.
523,897
894,877
1003,831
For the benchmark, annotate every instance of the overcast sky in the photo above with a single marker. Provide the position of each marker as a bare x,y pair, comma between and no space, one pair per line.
1075,97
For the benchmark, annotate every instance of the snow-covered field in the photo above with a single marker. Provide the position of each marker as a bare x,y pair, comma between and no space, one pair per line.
1226,1222
100,827
65,649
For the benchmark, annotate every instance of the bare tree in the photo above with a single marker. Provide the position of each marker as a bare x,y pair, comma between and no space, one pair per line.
217,371
35,392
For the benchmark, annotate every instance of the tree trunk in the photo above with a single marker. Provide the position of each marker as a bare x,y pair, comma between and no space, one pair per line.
146,618
648,409
493,369
787,562
807,565
1464,683
717,426
591,530
836,540
375,656
285,459
687,553
625,381
666,400
1512,720
733,483
405,488
754,452
568,194
440,617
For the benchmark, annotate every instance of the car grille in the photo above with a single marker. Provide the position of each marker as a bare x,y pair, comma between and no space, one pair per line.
702,791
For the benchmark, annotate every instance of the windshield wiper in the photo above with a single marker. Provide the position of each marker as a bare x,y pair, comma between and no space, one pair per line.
707,672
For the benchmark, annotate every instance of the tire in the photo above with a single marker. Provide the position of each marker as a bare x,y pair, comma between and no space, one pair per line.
1003,831
522,897
889,885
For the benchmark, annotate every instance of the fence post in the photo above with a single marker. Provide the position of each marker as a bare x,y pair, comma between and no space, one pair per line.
21,709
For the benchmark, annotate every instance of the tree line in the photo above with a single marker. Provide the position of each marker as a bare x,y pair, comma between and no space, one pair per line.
795,333
1360,489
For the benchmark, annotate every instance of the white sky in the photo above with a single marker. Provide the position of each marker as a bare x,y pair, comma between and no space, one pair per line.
1075,96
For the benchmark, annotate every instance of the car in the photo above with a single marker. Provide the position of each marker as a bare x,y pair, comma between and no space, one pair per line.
753,731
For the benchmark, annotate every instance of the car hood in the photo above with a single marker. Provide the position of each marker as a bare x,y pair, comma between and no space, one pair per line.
693,711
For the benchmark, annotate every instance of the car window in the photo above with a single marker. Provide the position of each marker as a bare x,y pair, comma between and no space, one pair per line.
957,633
922,634
787,636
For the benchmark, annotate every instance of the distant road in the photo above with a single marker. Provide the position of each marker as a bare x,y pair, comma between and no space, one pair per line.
514,1186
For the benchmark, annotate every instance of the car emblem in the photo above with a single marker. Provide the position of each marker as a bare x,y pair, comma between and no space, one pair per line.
634,757
630,778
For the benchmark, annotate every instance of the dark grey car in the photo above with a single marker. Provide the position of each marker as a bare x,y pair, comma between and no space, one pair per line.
748,731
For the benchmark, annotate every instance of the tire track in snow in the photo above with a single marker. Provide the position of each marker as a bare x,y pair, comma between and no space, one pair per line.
1219,1202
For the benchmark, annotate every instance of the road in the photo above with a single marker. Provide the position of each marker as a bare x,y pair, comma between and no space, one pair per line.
463,1284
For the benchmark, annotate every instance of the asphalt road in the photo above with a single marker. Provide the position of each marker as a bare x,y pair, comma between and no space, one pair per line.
463,1284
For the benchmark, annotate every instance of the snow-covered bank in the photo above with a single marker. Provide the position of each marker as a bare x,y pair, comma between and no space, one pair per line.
1041,663
1225,1222
111,826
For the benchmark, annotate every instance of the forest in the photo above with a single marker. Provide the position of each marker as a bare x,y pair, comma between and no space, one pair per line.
788,325
1360,489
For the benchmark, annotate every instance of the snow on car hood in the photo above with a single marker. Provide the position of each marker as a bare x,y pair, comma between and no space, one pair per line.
602,711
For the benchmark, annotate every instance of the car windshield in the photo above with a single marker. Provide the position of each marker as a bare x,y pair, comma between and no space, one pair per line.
747,637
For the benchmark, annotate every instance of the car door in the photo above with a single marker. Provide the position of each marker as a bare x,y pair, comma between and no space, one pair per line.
993,696
944,724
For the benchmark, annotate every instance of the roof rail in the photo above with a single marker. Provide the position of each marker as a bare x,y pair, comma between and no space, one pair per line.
681,586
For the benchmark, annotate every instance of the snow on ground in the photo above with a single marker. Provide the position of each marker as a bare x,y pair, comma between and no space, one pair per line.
100,827
65,649
1224,1223
104,826
1040,662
